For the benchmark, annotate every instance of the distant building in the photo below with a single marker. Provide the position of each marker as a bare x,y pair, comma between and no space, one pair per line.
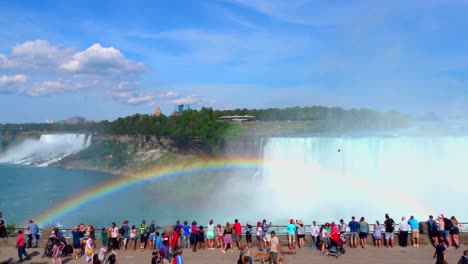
237,118
157,112
75,120
51,121
179,109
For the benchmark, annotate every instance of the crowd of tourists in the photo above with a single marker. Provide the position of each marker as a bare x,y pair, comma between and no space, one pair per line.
167,244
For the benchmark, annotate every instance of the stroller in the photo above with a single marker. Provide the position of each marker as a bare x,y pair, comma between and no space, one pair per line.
335,246
67,249
48,248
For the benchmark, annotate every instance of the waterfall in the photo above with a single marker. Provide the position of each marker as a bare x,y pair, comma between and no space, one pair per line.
337,177
47,149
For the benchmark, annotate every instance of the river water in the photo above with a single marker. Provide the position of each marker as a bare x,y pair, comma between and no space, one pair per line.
312,177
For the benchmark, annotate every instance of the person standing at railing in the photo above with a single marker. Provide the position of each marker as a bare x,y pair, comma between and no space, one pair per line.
377,234
455,231
266,234
186,236
363,232
238,230
124,234
210,234
248,234
143,231
433,230
403,232
300,233
389,229
3,231
314,232
353,232
259,236
445,225
76,241
291,229
114,236
342,227
414,224
33,234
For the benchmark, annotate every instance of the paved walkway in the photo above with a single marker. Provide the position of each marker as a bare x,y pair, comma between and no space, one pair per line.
408,255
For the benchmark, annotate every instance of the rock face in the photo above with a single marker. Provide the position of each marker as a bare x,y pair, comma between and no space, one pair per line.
143,142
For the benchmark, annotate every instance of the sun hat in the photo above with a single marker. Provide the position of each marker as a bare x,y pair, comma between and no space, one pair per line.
291,220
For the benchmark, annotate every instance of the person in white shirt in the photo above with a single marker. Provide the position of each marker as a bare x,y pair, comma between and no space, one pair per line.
403,234
314,232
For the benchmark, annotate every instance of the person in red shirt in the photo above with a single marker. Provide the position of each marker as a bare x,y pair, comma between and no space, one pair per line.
21,246
175,238
238,229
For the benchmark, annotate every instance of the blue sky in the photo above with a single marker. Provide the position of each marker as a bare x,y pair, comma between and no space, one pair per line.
105,59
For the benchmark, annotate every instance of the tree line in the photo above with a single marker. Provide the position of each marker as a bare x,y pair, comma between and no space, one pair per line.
204,124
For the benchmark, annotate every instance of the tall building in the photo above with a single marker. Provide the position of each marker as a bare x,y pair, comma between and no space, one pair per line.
157,112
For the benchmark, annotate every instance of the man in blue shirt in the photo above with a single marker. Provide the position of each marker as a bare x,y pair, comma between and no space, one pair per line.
33,233
414,225
353,232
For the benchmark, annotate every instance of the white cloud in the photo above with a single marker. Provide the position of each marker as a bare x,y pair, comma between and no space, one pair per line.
49,87
98,60
6,63
12,83
19,78
37,54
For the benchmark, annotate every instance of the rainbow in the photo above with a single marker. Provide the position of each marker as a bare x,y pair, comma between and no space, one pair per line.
165,172
159,173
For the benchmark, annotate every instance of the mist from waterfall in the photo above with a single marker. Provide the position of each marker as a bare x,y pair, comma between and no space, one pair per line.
47,149
325,178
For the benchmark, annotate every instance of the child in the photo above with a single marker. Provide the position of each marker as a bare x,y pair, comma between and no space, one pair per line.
158,241
133,237
102,254
464,258
155,257
248,234
178,256
440,253
112,259
104,237
89,249
201,238
165,239
57,250
244,256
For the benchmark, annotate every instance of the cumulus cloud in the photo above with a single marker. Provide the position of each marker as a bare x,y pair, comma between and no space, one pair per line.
12,83
101,60
6,63
19,78
49,87
52,69
35,54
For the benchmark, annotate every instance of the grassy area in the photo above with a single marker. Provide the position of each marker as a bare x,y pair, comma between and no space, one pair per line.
106,155
274,128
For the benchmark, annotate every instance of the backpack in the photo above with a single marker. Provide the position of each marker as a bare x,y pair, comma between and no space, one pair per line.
142,230
152,228
463,260
448,224
434,227
122,231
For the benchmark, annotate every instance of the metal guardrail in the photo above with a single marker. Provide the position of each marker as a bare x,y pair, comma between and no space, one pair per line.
279,230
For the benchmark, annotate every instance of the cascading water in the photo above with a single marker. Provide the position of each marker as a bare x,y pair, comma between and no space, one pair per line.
47,149
325,178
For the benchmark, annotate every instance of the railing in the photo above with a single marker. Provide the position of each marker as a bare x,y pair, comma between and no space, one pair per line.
279,230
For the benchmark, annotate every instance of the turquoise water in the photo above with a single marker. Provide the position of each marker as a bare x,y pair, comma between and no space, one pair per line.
27,192
310,178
